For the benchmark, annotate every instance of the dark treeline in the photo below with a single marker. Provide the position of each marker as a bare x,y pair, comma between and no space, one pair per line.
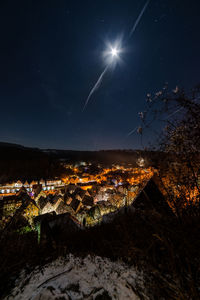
108,157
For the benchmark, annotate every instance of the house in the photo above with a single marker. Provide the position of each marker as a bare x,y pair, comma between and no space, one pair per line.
95,214
26,184
41,225
36,188
9,204
101,196
150,197
62,191
40,194
118,199
70,188
79,194
75,204
42,201
56,200
52,227
42,182
68,198
48,208
63,208
64,224
88,201
30,210
21,191
18,184
81,216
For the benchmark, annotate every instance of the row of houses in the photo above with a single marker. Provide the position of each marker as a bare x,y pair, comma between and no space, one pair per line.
87,203
11,188
71,209
53,228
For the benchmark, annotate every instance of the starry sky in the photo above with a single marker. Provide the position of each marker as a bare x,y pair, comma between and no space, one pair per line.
51,57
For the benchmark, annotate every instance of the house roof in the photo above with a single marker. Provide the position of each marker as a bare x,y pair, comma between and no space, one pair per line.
88,200
42,201
151,197
75,204
62,208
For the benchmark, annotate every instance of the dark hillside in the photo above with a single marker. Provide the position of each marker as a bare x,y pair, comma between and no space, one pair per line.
23,163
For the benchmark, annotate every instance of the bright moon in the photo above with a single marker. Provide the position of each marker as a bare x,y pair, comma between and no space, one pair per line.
114,52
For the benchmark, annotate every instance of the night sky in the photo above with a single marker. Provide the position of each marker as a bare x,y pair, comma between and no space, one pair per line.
51,55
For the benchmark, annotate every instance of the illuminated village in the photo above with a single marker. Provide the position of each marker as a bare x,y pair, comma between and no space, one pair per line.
86,194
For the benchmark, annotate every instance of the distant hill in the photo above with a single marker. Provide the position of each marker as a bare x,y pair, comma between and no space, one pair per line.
3,144
15,149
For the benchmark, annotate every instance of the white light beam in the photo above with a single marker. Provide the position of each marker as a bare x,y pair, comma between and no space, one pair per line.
96,86
139,18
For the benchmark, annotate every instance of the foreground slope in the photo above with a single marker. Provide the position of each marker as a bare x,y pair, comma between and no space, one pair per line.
77,278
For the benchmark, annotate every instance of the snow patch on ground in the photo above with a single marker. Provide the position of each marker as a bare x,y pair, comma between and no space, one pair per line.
75,278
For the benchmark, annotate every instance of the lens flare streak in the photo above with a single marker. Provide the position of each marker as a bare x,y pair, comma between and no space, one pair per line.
96,86
139,18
